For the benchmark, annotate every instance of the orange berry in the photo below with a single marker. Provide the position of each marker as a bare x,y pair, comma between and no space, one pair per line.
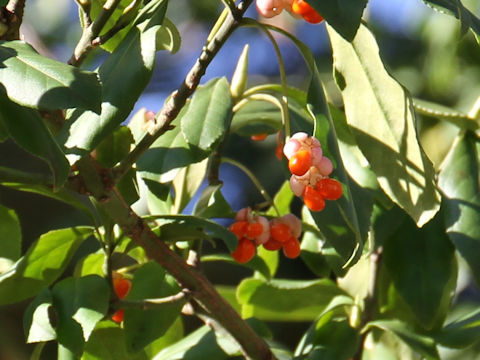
239,228
312,199
273,245
291,248
313,17
245,251
329,188
258,137
254,230
121,286
300,162
118,316
280,232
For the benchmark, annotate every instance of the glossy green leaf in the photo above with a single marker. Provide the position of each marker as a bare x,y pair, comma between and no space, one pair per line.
295,300
36,319
282,200
339,221
457,9
44,262
380,114
343,15
168,38
79,303
420,343
422,265
198,345
29,131
107,342
144,326
186,183
329,338
172,335
33,80
212,228
114,147
208,116
127,186
96,6
458,181
124,75
10,234
212,204
462,332
92,264
168,154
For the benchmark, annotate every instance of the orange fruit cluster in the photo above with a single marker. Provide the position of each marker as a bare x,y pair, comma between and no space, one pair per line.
252,231
122,287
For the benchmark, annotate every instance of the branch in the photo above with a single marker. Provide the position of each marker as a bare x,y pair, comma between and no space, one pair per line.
11,16
179,97
91,32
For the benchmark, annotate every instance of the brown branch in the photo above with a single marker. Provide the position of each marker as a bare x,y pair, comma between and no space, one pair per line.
12,16
179,97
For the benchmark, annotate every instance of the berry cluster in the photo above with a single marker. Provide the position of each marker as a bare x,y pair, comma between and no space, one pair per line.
298,8
121,286
253,230
310,171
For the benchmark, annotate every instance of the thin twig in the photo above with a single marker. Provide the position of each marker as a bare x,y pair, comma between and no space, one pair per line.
91,32
182,296
179,97
12,16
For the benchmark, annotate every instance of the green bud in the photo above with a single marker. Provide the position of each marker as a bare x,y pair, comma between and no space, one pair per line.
240,75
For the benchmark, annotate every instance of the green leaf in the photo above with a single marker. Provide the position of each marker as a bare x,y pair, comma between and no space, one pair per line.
186,184
198,345
456,8
212,228
36,320
44,262
114,147
212,204
33,80
343,15
420,343
144,326
282,200
79,303
422,265
3,2
380,114
92,264
339,221
208,116
172,335
29,131
329,338
124,76
462,332
167,155
107,342
458,181
10,234
168,38
62,194
295,300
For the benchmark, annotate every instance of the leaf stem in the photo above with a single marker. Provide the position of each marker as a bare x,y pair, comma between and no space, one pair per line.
179,97
182,296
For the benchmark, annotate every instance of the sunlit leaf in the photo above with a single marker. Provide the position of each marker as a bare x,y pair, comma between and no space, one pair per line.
44,262
80,303
10,234
459,183
457,9
124,75
33,80
36,320
380,114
